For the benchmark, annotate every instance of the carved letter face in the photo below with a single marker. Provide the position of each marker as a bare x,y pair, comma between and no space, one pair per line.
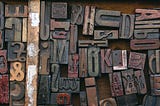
155,84
59,34
3,61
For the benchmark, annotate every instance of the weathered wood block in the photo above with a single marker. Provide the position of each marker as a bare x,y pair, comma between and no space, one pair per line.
83,98
140,82
148,24
16,10
83,69
107,18
154,61
92,96
128,81
1,15
44,89
77,14
16,51
93,61
119,59
106,61
59,51
148,100
105,34
71,85
155,84
59,34
3,61
59,10
127,26
1,39
90,82
144,44
89,17
116,84
4,89
24,30
88,43
108,101
137,60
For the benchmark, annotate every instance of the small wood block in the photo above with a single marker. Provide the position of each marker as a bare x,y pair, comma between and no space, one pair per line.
83,98
73,39
16,51
140,82
149,24
88,43
93,61
116,84
16,10
92,96
13,33
77,14
44,58
155,84
127,100
150,100
144,44
154,61
4,89
105,34
45,19
88,26
128,82
137,60
1,15
44,89
55,70
60,99
59,25
59,51
119,59
90,82
127,26
73,66
147,14
83,69
59,10
107,18
1,39
59,34
108,101
3,61
106,61
24,30
71,85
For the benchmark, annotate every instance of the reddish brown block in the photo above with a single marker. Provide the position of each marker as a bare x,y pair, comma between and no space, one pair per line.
155,84
92,96
90,81
3,61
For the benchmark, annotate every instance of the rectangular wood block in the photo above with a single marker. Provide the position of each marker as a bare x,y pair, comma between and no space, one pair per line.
88,43
1,15
92,96
90,82
3,61
155,84
83,98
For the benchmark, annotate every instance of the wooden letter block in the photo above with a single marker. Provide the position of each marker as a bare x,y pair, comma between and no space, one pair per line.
1,39
59,25
93,61
92,96
116,84
107,18
16,11
149,24
13,29
59,51
127,26
155,84
119,59
16,51
105,34
83,69
4,89
73,39
147,14
88,25
106,61
144,44
3,61
140,82
90,82
60,99
154,61
83,98
77,14
88,43
69,85
59,34
1,15
44,90
128,82
44,58
108,101
148,100
137,60
73,66
59,10
45,17
146,33
24,30
55,76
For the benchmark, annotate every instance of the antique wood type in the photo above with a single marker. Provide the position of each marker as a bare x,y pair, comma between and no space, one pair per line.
92,96
90,82
3,62
149,24
108,101
83,98
1,39
1,15
59,34
24,30
150,100
88,43
155,84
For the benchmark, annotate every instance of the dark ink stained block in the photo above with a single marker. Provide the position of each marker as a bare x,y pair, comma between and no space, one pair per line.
3,61
155,84
88,43
1,39
107,18
77,14
1,15
83,98
59,34
137,60
59,10
88,26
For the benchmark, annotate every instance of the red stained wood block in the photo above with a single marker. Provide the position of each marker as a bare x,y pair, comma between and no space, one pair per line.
3,61
90,81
